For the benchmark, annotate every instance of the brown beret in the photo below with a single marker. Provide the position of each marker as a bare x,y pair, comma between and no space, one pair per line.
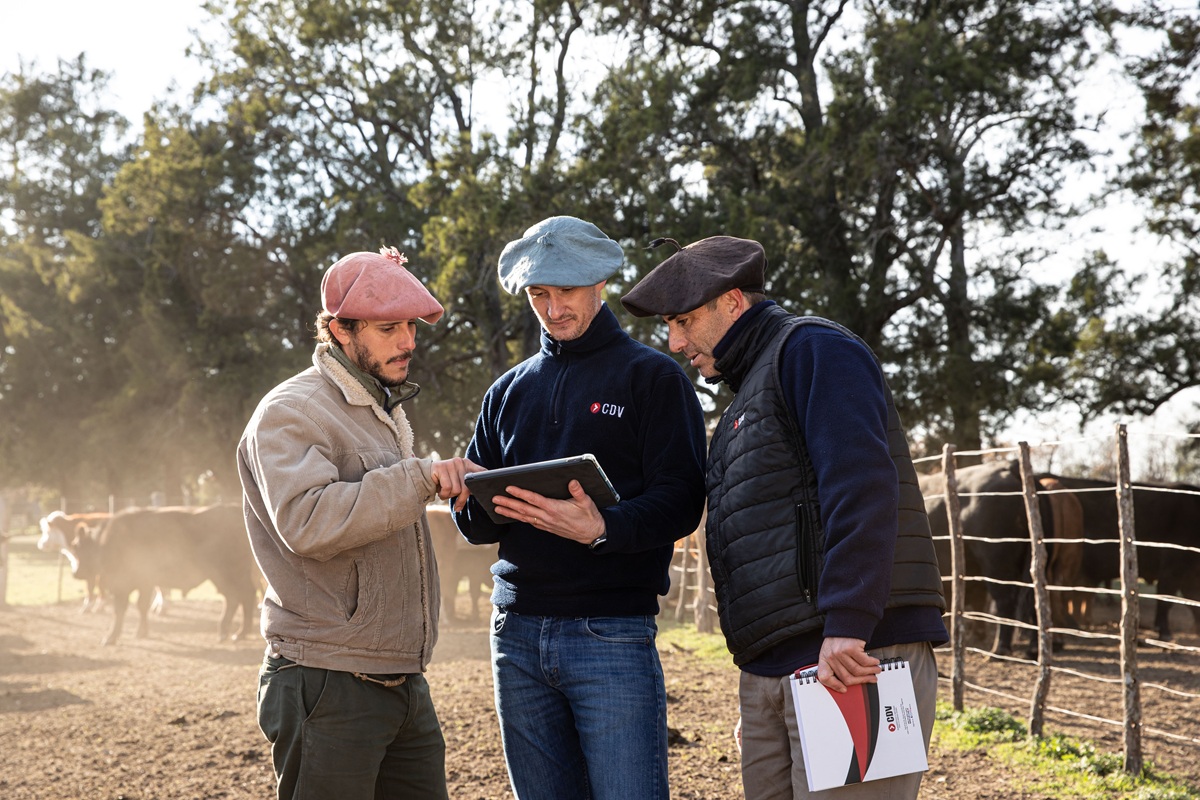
696,274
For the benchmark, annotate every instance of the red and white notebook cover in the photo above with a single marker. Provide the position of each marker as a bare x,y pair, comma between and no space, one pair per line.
870,732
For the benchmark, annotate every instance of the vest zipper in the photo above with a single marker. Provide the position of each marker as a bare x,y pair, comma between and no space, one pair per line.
805,564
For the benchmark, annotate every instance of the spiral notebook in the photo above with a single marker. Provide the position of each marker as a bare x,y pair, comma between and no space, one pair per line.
870,732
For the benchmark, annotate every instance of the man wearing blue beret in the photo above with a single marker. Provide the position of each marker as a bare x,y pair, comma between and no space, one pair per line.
579,688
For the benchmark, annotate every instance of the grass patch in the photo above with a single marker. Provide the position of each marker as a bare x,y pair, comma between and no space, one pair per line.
708,647
36,578
1055,766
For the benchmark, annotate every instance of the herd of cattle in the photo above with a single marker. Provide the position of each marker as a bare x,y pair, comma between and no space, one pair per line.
154,550
992,507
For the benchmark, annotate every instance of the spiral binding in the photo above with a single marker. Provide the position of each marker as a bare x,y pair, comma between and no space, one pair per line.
807,675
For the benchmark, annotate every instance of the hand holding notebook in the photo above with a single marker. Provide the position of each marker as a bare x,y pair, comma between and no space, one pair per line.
871,731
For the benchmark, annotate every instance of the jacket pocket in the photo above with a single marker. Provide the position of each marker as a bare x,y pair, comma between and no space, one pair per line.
356,591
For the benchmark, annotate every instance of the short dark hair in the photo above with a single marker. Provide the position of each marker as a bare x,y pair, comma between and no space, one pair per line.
323,332
752,298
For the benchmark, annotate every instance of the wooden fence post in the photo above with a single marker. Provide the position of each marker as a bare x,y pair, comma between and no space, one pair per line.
1041,596
704,615
684,587
957,568
1129,608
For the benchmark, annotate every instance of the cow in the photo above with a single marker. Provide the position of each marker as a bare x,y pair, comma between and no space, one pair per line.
58,532
1065,558
993,507
1159,516
171,548
457,558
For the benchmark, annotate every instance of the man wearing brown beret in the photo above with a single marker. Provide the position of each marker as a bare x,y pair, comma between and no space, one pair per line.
817,533
335,508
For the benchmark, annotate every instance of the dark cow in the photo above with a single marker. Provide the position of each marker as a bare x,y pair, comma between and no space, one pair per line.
171,548
1159,516
993,507
1065,558
59,530
457,559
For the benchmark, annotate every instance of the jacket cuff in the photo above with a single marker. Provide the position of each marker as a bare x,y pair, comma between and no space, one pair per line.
421,472
850,623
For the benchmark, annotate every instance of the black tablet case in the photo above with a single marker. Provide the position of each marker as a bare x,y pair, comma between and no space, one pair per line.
547,478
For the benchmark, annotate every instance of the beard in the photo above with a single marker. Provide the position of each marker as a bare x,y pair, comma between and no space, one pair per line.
375,368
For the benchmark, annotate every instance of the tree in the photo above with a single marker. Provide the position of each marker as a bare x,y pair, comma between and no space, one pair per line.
209,325
364,115
59,146
1137,356
872,168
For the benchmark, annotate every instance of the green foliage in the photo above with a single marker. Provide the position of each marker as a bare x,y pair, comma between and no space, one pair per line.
709,647
989,720
1082,756
1169,792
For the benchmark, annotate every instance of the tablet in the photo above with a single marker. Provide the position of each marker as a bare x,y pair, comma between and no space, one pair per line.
547,478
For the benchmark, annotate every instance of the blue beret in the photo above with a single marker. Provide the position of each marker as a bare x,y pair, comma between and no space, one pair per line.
559,251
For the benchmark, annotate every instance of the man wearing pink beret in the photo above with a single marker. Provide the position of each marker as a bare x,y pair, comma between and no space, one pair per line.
335,508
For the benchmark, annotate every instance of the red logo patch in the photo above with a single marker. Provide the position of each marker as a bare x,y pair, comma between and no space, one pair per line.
595,408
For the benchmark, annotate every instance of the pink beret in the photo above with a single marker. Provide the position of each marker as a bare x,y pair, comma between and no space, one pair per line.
377,286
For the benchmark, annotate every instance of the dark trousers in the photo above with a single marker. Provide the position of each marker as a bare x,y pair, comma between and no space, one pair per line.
335,735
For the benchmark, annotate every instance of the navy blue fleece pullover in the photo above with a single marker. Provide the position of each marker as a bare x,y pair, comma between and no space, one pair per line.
634,409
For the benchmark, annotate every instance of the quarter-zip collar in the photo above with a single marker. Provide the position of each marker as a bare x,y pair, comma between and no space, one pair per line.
603,330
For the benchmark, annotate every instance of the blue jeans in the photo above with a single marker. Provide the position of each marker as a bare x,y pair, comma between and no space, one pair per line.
582,706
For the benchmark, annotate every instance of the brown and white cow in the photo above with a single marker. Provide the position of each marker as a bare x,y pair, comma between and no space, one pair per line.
59,530
457,559
171,548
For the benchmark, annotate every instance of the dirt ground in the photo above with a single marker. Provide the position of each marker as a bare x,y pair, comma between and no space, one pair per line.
172,716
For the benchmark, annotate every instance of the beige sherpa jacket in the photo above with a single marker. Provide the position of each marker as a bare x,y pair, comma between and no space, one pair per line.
335,509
